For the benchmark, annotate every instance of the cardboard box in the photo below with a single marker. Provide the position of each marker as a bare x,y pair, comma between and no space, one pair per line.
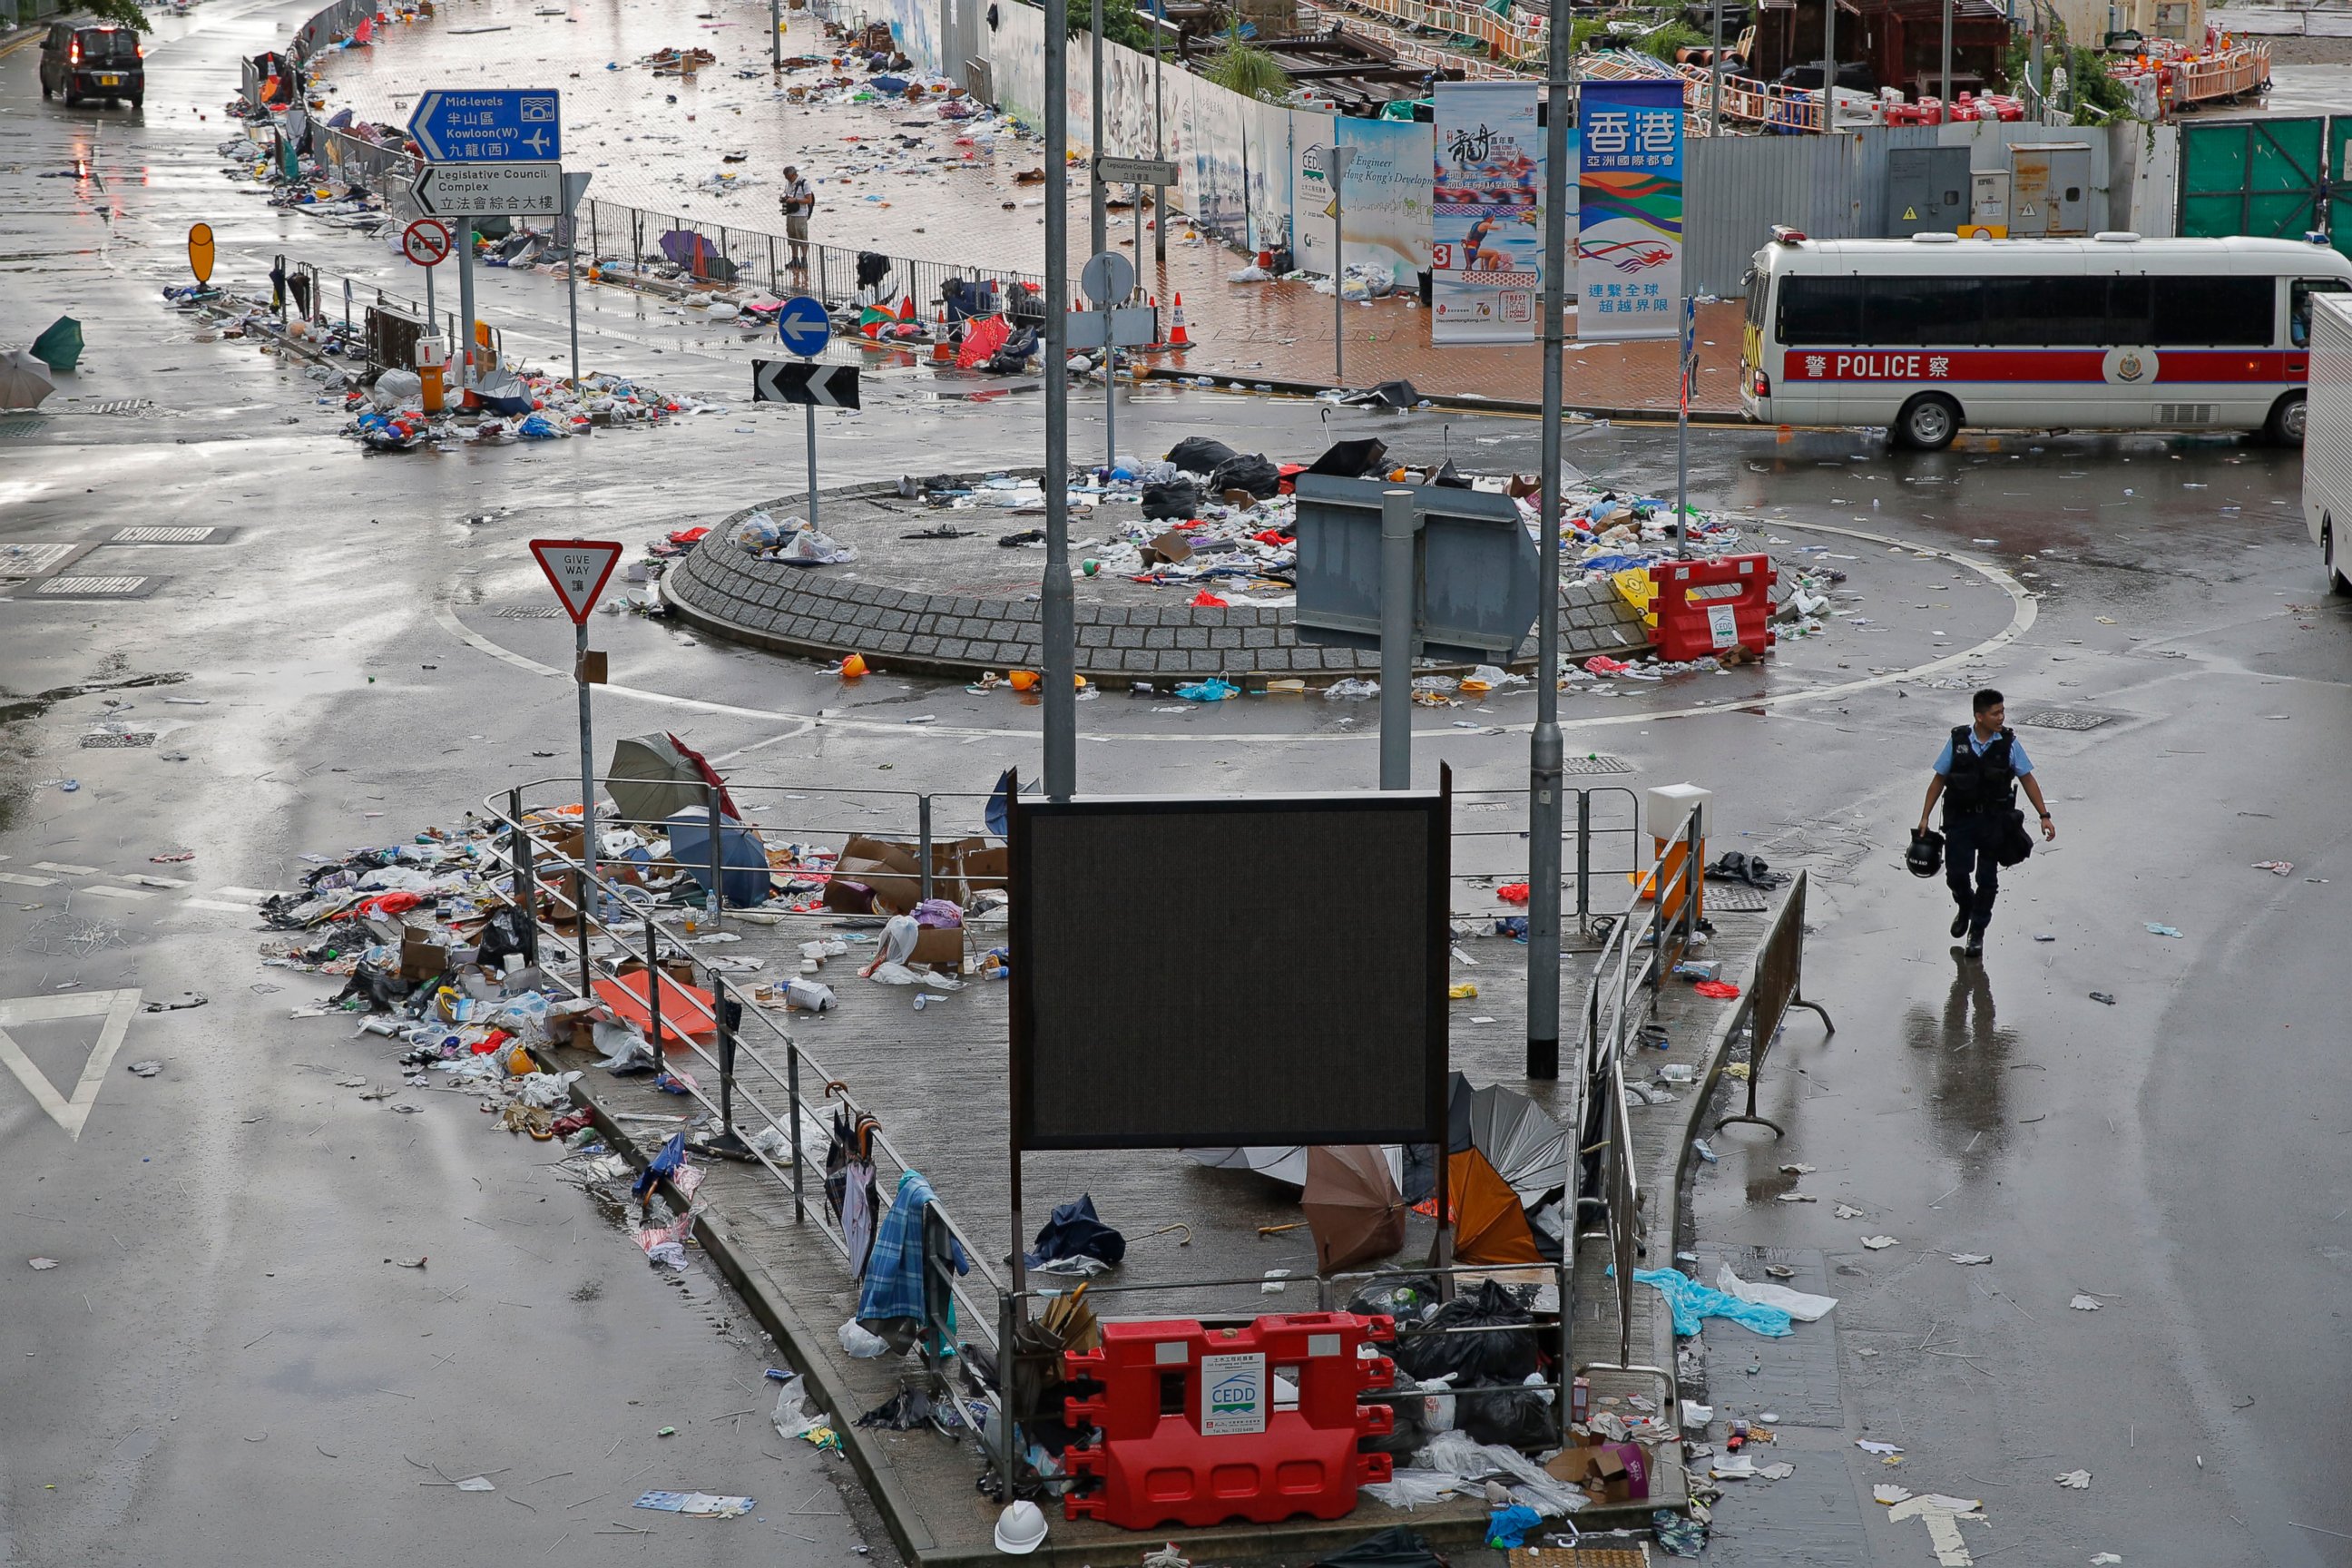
421,956
1169,547
678,969
1609,1472
941,946
890,869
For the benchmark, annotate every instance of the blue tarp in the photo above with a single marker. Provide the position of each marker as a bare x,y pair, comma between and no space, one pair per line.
1691,1300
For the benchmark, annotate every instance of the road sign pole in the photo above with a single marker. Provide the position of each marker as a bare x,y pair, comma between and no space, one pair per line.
572,299
1546,750
776,35
1057,616
1398,603
1098,204
587,778
466,300
1139,226
429,311
811,464
1110,395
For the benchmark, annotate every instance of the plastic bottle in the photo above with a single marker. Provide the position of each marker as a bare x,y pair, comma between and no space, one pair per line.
921,1000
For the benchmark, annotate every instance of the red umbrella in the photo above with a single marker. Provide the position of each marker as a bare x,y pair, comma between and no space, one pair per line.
983,340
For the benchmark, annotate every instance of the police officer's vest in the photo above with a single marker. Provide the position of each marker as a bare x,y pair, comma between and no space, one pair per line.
1979,783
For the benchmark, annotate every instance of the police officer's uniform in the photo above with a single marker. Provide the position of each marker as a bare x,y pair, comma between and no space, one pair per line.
1979,791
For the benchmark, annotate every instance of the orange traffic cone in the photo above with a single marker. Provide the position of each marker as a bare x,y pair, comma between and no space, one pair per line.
1178,338
941,354
907,309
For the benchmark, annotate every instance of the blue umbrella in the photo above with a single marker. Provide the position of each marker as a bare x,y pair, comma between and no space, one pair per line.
743,865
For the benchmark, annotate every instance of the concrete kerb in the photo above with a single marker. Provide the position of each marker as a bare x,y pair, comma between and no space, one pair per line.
1452,402
1593,620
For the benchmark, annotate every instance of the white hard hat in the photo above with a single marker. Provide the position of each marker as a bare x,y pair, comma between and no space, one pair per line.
1019,1529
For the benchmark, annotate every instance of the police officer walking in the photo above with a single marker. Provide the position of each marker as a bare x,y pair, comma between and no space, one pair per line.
1977,775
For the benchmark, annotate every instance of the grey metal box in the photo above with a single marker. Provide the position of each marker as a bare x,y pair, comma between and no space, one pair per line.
1926,190
2050,188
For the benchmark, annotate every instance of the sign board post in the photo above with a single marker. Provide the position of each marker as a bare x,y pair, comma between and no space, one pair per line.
1158,172
574,188
803,328
1334,161
578,570
1107,279
426,243
505,142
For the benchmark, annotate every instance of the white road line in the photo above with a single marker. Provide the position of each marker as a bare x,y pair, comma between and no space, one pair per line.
100,891
115,1006
20,879
64,870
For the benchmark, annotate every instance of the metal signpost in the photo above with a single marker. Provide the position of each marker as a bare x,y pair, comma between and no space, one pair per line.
579,569
1547,750
426,242
1334,162
812,386
489,152
1158,172
1107,279
574,188
1058,603
803,328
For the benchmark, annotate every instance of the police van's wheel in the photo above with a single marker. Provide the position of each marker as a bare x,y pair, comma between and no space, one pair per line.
2284,427
1927,423
2337,581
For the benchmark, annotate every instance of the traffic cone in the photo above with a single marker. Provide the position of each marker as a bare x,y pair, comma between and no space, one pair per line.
941,354
1178,338
907,309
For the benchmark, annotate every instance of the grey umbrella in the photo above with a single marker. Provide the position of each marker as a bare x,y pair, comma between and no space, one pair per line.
1527,1149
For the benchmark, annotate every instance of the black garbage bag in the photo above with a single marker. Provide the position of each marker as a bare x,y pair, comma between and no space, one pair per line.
1476,1358
1253,473
1200,454
502,938
1014,357
1407,1298
1076,1231
1175,501
1387,395
381,989
1514,1417
1449,476
1393,1548
1412,1434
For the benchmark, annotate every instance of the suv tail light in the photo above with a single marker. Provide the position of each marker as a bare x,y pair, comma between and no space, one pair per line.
1762,385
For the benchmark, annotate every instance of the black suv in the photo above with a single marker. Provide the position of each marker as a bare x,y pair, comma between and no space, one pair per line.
93,62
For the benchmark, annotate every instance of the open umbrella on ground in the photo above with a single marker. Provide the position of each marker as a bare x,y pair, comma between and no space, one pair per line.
59,348
743,863
1489,1225
1527,1148
1352,1206
982,340
24,380
1284,1163
1351,460
653,777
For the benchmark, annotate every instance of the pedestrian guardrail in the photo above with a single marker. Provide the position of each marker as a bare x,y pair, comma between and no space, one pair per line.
1777,985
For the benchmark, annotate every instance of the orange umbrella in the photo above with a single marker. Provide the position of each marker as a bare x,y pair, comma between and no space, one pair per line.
1352,1206
687,1011
1489,1223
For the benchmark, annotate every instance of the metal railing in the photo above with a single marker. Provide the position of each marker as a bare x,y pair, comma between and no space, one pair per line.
1777,985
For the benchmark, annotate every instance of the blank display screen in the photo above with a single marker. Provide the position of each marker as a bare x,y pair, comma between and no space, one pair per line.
1192,973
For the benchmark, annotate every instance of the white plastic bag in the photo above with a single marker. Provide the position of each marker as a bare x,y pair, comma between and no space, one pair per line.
859,1342
1805,1309
1409,1490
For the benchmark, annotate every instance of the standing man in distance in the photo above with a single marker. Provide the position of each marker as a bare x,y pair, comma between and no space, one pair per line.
1977,775
798,201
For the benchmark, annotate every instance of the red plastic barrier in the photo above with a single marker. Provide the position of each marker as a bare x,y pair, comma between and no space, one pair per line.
1697,616
1197,1427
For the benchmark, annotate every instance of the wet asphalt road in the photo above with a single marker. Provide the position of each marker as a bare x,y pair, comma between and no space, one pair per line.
236,1378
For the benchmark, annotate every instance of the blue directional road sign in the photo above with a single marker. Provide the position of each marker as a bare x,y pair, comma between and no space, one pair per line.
802,327
489,125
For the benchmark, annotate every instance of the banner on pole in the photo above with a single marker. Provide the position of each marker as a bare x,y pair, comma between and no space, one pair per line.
1487,221
1629,244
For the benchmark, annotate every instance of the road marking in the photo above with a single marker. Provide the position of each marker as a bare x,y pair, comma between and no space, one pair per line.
144,880
100,891
2023,614
115,1006
64,870
255,894
215,904
22,881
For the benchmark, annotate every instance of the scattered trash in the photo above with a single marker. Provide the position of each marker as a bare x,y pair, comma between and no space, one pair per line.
1889,1494
1878,1242
195,999
698,1505
2156,930
1970,1257
145,1069
407,1262
1779,1472
2105,1557
1691,1302
2105,997
1846,1211
1797,1198
1797,1170
43,1265
1798,1304
2277,868
2077,1480
1698,1146
2084,1304
477,1484
1882,1450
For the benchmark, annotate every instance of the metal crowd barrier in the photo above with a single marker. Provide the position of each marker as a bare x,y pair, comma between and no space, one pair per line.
1777,985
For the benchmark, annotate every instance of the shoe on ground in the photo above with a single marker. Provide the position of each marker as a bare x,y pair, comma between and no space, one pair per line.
1960,923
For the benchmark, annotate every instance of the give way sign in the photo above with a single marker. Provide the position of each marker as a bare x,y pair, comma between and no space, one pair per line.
578,568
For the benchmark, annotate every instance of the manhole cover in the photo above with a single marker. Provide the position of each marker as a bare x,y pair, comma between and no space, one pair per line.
163,536
529,612
31,427
2061,718
113,742
95,587
1598,762
1736,899
30,560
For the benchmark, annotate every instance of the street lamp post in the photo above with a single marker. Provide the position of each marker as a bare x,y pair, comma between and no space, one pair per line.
1057,609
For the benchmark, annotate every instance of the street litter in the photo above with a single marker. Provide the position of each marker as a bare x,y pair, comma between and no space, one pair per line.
2076,1479
42,1265
146,1070
1690,1301
477,1484
1797,1198
1798,1304
1846,1211
2276,867
1797,1170
2084,1304
1779,1472
2156,930
1882,1450
1889,1493
698,1505
2105,997
1970,1257
1878,1242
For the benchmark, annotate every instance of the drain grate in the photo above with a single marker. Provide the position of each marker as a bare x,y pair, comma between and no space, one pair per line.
2077,718
529,612
31,427
1736,899
97,587
30,560
112,741
1598,762
168,535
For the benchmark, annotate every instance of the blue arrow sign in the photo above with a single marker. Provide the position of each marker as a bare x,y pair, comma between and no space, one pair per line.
802,327
491,125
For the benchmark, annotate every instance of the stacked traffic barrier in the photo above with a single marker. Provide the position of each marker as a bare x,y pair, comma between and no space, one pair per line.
1199,1426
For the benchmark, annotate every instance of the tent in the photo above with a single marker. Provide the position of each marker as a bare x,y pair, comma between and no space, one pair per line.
743,863
1352,1206
1489,1226
653,777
